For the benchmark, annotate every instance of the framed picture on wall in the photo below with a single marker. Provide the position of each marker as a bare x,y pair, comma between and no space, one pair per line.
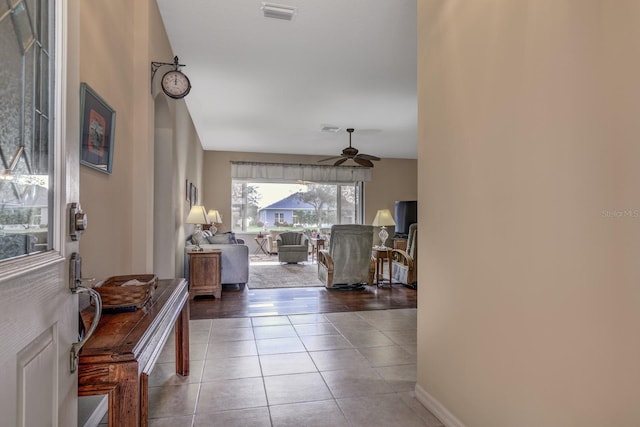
187,190
97,130
193,194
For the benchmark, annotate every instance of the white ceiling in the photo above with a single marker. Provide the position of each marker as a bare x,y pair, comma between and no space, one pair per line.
269,85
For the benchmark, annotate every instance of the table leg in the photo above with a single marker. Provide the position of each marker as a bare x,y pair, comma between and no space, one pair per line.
182,341
390,270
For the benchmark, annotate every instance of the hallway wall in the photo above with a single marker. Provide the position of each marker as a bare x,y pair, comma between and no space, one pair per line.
528,302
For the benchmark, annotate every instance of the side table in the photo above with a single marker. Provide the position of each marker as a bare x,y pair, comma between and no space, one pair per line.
380,255
204,273
317,243
261,241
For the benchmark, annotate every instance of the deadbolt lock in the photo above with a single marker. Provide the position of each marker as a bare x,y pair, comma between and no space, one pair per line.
77,221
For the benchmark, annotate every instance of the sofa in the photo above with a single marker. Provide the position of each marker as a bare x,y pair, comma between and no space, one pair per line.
234,257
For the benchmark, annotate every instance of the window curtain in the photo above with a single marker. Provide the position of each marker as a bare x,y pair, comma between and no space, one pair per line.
292,172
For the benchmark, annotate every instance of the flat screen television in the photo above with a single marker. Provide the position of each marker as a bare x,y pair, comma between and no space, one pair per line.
406,213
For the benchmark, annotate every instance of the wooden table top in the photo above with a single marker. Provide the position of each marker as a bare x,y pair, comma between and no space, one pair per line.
121,336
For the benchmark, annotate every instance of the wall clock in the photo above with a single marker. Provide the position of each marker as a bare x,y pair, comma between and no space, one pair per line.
175,84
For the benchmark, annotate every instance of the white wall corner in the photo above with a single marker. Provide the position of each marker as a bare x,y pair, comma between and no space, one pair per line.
436,408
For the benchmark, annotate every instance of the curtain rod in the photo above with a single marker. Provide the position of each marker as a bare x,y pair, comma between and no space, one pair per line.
235,162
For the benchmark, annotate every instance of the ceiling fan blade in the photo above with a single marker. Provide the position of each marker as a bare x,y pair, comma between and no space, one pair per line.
341,161
363,162
329,158
367,157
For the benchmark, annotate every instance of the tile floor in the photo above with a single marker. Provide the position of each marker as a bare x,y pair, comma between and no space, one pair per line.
332,369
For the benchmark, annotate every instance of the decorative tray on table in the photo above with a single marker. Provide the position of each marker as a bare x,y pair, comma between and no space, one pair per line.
127,292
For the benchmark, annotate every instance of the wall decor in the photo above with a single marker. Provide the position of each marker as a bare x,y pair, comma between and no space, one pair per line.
193,195
187,191
97,130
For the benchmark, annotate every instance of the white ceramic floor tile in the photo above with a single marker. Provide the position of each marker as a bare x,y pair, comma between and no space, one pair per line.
254,417
219,335
229,368
333,360
367,338
409,399
288,363
274,331
387,356
172,422
279,345
232,349
270,321
325,342
301,319
387,410
235,322
309,414
165,374
400,377
231,394
355,382
316,329
172,401
296,388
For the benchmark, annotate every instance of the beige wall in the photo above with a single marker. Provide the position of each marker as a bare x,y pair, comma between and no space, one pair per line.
118,41
392,179
529,303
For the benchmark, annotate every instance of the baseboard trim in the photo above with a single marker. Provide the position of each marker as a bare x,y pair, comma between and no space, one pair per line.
436,408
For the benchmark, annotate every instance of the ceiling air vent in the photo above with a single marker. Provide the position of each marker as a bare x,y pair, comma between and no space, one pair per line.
329,128
278,11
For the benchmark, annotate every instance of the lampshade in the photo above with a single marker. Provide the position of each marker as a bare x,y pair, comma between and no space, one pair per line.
214,216
197,215
383,218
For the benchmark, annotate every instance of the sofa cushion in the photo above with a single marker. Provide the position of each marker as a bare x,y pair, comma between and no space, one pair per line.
219,238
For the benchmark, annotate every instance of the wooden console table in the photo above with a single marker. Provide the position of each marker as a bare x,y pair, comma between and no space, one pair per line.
119,356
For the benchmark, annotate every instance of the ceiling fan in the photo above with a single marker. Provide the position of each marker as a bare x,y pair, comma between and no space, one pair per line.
353,154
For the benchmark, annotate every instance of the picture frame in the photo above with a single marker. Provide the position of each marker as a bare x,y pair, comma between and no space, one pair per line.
193,195
97,130
187,191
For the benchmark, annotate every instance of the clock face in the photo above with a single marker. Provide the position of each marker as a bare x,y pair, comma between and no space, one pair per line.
175,84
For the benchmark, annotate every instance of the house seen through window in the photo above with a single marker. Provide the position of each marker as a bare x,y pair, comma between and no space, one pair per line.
261,206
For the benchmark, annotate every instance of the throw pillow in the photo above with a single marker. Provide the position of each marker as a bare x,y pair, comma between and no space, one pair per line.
218,238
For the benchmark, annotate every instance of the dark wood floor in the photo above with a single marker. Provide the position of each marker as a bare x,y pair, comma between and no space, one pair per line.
283,301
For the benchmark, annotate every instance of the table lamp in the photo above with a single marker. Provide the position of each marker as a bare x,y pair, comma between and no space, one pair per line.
383,219
197,216
215,218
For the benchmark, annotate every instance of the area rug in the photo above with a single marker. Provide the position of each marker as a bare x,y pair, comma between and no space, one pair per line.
283,276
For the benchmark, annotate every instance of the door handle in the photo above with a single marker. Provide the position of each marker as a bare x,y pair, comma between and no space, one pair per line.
76,346
75,285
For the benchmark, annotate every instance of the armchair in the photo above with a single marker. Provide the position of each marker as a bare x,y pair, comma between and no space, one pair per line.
348,261
404,265
292,247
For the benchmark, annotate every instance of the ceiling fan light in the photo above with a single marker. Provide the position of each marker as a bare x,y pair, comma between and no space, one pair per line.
278,11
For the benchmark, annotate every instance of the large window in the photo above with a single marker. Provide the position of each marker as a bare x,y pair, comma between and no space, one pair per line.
261,205
25,134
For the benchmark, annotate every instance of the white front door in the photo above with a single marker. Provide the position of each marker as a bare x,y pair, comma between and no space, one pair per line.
39,141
